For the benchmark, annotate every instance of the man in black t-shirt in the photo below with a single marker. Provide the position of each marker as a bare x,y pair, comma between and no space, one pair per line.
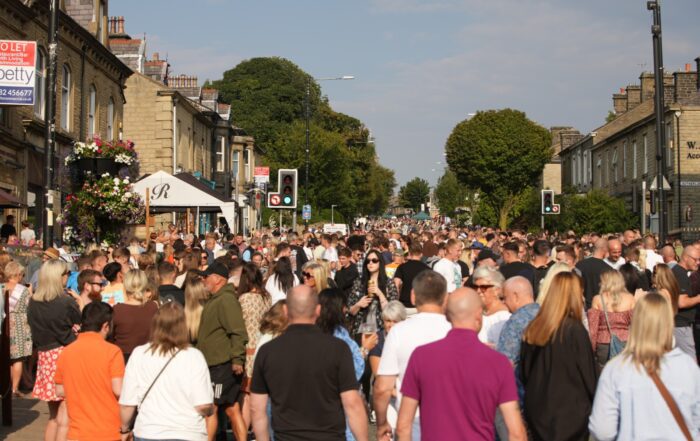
310,379
513,266
591,269
407,271
347,273
683,332
8,229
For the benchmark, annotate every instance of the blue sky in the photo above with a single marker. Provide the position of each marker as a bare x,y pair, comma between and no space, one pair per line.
422,66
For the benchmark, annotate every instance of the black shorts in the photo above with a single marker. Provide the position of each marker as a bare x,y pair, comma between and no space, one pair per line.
225,383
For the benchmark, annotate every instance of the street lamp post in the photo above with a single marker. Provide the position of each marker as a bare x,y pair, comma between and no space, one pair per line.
333,214
308,119
655,7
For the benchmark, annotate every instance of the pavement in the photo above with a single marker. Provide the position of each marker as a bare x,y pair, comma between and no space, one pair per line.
29,418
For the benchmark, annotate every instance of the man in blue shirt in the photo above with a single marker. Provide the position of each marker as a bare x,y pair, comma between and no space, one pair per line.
519,298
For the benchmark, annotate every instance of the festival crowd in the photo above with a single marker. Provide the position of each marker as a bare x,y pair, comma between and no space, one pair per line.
429,331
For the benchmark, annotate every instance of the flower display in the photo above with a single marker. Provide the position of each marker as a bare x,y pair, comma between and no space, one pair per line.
101,206
121,151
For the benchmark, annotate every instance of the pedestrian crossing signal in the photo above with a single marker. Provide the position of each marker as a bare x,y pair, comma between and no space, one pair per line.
548,205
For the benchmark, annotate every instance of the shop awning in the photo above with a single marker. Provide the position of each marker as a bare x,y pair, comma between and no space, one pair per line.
8,200
182,191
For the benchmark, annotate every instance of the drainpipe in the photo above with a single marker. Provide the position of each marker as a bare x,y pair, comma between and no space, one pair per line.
82,92
175,101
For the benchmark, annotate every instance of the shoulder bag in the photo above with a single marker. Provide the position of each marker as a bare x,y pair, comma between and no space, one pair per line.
136,412
616,345
671,403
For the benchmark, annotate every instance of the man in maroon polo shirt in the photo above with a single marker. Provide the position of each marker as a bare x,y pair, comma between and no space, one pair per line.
459,382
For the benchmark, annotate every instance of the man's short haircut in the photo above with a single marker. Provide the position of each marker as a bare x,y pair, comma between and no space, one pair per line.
83,261
541,248
95,315
356,242
345,252
489,237
111,271
568,250
452,243
511,246
86,276
166,269
301,302
430,288
281,247
121,252
415,249
94,255
326,237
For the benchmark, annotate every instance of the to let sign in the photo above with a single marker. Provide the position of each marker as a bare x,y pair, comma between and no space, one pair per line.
17,72
262,175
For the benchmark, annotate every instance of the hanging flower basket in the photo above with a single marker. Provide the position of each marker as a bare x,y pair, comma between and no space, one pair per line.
97,157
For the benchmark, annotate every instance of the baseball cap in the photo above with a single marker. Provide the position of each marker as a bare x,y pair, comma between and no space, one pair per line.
477,245
217,268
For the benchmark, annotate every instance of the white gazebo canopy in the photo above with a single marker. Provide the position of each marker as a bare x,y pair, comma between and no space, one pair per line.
182,191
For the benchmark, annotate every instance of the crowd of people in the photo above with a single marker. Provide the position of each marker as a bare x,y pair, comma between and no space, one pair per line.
428,331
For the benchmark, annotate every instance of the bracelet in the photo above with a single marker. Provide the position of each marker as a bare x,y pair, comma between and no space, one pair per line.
364,352
124,432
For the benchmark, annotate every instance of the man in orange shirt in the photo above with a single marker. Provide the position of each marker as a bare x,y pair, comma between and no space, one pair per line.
89,375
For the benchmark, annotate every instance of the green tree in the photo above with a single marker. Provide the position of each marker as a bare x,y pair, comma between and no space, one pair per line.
414,193
595,211
500,153
268,97
450,194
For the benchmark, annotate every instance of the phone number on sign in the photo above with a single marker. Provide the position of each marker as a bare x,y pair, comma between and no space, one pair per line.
15,92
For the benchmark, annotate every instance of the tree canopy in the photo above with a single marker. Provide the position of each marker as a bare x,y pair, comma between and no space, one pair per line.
268,97
450,194
500,153
414,193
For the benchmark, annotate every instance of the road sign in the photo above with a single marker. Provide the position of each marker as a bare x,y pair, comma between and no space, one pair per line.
654,185
261,174
274,200
286,195
306,212
17,72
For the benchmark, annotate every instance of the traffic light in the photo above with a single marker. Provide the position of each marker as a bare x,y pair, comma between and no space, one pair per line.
548,205
286,196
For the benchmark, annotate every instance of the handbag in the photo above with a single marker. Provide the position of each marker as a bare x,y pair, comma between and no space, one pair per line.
671,403
132,422
616,345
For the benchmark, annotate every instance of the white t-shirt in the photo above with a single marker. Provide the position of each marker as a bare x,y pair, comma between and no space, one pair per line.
27,236
652,259
404,337
451,271
492,325
168,411
273,288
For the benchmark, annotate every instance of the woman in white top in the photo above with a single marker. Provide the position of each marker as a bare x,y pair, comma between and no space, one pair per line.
488,282
173,409
281,280
628,404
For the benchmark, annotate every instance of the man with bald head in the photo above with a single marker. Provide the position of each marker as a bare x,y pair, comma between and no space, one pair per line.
615,259
591,269
309,378
459,382
519,298
685,317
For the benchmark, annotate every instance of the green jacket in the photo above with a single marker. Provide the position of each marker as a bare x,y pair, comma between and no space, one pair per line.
222,337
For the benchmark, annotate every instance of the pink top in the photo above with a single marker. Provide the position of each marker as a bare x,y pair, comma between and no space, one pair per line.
619,323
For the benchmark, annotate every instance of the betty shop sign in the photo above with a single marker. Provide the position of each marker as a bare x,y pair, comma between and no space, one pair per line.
17,72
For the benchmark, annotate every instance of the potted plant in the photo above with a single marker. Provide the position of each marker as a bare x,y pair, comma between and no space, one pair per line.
98,157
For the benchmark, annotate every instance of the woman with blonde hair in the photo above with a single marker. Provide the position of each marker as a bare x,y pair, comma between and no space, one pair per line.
168,407
555,269
665,282
315,276
53,318
131,320
196,295
629,402
557,367
610,314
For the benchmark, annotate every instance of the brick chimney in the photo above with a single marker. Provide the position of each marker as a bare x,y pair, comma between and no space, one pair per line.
620,102
116,28
697,72
633,96
685,83
156,56
646,81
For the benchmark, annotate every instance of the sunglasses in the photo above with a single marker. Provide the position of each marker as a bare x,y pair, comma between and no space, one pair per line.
482,288
307,275
101,284
375,260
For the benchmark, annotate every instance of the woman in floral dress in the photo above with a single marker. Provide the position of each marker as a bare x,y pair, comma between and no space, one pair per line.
255,302
20,334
